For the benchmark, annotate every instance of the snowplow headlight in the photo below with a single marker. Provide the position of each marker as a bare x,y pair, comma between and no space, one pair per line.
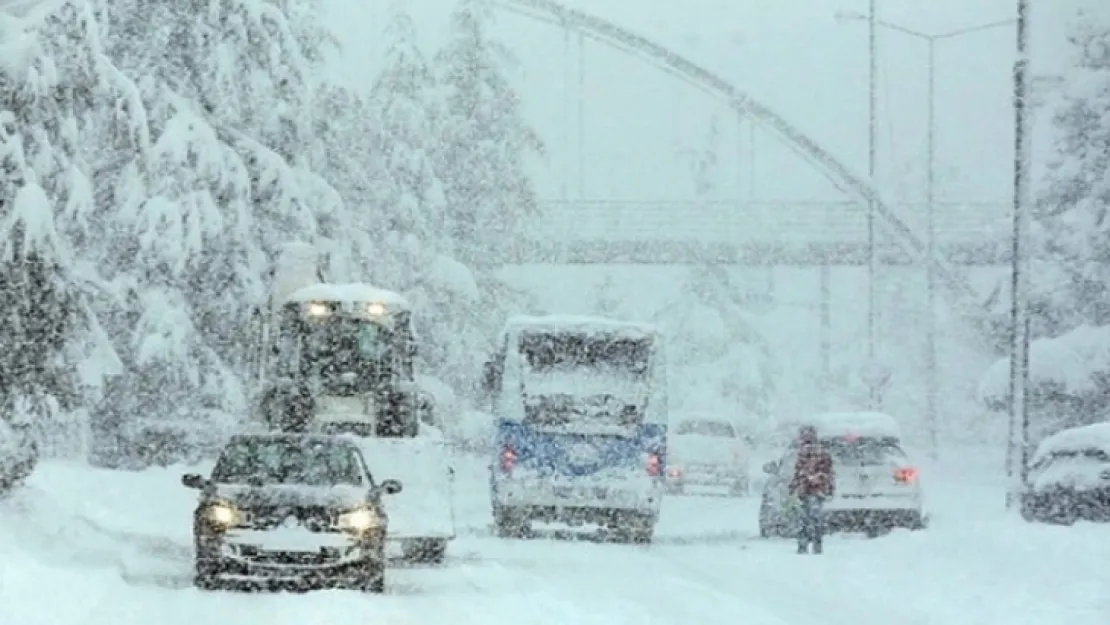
222,514
359,520
375,309
318,309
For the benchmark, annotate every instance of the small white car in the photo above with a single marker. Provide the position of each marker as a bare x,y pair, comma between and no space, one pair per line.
877,485
707,451
1069,477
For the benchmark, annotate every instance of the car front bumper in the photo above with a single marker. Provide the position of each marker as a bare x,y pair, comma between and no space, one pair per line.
248,559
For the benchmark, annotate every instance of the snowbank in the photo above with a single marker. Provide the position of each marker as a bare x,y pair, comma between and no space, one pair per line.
1071,361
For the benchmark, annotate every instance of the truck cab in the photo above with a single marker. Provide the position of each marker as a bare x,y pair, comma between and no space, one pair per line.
343,364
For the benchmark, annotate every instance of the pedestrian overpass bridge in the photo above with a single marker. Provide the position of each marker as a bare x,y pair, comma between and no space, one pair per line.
757,233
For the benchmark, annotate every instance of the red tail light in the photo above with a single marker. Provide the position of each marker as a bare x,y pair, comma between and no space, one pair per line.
905,475
508,459
654,465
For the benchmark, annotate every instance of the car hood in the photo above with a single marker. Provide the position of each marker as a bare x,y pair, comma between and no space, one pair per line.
246,496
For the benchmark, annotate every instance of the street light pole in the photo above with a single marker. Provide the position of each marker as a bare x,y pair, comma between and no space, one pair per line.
932,374
872,138
932,382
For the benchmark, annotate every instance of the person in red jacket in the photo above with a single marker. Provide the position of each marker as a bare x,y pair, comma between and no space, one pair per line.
812,484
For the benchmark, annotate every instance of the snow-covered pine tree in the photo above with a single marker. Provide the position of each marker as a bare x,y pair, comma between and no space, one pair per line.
54,77
228,89
1074,209
411,200
485,142
1072,276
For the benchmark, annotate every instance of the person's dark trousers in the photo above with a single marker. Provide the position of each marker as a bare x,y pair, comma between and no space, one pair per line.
812,526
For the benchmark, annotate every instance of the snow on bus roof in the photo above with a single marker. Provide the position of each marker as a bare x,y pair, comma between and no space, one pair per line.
581,323
1095,436
867,424
352,292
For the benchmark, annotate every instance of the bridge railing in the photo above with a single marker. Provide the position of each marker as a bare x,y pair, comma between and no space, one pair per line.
760,222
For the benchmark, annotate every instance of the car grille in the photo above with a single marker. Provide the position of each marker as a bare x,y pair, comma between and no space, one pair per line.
293,558
312,518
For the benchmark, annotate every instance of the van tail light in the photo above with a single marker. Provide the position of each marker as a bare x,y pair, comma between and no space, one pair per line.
905,475
654,465
508,459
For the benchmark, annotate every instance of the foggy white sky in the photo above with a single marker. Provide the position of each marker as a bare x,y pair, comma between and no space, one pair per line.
793,56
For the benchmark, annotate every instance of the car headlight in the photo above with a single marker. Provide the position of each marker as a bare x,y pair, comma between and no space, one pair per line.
222,515
360,520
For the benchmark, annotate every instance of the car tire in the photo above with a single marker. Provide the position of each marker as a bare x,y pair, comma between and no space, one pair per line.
371,576
917,521
636,529
205,574
424,550
740,488
510,523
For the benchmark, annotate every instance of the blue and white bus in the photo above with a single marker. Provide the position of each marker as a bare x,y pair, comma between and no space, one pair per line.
580,409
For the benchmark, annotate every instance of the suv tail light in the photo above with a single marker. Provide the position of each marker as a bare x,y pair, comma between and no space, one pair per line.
654,465
508,459
905,475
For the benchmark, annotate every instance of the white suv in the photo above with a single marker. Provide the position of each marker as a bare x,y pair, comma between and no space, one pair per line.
877,488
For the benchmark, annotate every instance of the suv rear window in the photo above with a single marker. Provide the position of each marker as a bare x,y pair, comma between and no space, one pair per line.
864,451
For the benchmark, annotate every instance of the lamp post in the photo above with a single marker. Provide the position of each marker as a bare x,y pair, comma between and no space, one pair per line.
932,384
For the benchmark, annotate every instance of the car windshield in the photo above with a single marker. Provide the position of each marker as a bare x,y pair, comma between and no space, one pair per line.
864,451
287,461
347,356
706,428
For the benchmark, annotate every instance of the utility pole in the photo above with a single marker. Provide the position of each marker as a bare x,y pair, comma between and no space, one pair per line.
872,138
1018,447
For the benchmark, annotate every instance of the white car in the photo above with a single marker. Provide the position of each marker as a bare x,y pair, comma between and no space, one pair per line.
707,451
877,485
1069,477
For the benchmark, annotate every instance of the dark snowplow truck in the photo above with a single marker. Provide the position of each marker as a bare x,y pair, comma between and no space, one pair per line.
341,362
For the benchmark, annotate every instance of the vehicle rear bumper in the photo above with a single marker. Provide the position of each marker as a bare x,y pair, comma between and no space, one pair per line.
635,495
862,520
707,476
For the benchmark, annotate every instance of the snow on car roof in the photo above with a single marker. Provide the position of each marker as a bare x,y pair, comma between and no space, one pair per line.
581,323
1095,436
352,292
868,424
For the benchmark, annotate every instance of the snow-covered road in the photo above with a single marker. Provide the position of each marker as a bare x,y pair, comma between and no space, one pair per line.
93,547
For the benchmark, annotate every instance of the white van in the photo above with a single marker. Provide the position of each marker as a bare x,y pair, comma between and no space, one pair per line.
580,411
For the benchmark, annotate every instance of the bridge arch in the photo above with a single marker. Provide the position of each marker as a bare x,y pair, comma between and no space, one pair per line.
667,60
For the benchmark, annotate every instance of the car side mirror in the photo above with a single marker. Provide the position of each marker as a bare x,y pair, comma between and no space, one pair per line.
194,481
425,407
391,487
771,468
